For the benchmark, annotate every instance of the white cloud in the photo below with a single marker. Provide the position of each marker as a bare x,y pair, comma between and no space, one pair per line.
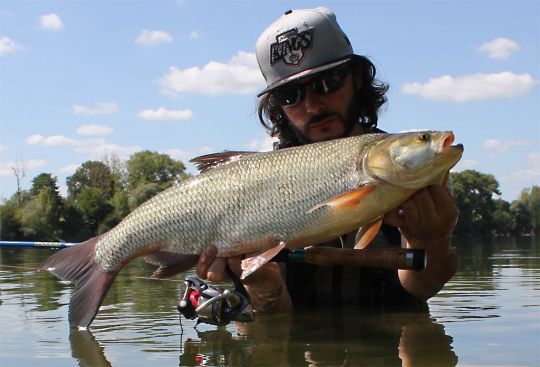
153,38
473,87
93,129
532,172
181,155
240,75
194,35
499,48
8,46
97,147
51,22
262,144
99,108
6,168
163,114
500,146
107,149
3,148
52,141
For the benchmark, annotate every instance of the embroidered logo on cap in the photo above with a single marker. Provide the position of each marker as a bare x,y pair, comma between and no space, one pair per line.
290,46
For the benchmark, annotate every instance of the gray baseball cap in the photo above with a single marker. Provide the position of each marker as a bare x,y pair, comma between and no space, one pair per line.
301,43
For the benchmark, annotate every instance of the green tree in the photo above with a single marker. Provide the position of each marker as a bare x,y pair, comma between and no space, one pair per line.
151,167
521,218
41,217
119,210
10,225
74,228
473,192
120,204
91,174
142,193
118,170
43,181
531,198
93,207
502,218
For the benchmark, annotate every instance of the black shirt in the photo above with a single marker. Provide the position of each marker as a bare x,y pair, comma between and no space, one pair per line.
315,287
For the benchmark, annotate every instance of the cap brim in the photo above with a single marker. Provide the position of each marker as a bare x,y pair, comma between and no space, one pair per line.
304,73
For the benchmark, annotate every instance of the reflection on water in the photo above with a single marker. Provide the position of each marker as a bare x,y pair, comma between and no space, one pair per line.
488,315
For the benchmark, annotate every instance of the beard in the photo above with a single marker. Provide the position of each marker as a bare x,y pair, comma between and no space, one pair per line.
348,122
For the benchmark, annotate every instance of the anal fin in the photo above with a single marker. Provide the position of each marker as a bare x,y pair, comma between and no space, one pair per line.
367,233
251,264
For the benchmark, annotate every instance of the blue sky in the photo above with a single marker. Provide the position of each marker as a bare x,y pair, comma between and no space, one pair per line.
80,80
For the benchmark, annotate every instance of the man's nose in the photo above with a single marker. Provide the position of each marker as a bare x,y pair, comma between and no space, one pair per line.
314,103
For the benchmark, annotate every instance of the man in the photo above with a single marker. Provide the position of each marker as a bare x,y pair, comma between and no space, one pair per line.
317,90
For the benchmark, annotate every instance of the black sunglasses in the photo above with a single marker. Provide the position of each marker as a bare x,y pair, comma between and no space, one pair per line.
322,84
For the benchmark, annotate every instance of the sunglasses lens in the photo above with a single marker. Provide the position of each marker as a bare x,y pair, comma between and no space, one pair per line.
330,83
323,84
289,95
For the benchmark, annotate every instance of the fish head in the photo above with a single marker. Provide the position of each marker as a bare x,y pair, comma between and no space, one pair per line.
413,160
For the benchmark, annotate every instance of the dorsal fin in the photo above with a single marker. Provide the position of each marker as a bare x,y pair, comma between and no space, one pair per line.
209,161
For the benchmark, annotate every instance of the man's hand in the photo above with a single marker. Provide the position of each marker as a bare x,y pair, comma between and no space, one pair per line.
212,267
265,286
426,221
427,217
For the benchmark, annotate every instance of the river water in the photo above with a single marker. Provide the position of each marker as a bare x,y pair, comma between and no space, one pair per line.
487,315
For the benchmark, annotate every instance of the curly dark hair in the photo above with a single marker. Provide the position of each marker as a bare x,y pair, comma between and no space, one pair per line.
369,98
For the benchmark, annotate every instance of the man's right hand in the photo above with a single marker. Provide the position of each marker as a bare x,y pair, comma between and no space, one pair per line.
265,287
212,267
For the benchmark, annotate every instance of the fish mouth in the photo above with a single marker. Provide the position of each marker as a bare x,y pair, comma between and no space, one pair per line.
447,142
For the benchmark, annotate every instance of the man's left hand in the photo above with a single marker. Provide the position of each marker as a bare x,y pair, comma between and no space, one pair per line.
428,216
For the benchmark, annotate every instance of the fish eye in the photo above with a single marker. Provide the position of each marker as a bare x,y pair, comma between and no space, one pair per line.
423,137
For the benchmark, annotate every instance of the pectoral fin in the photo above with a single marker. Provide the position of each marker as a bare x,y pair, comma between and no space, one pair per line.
348,199
367,233
251,264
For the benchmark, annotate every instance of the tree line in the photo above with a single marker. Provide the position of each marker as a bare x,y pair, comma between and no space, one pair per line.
483,212
101,193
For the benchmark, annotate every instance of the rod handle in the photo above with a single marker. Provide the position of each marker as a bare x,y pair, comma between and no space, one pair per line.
387,258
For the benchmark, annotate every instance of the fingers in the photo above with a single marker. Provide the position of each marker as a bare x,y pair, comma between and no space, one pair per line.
216,271
212,267
412,211
394,217
429,213
420,208
205,260
444,202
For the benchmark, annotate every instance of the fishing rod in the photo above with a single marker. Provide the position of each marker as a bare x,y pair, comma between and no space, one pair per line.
387,258
37,244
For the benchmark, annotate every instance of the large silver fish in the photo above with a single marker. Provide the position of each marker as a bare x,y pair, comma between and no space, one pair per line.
245,202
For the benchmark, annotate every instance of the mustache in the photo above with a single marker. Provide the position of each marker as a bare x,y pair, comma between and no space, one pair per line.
321,116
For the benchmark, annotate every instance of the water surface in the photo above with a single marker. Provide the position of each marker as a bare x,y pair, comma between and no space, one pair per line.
487,315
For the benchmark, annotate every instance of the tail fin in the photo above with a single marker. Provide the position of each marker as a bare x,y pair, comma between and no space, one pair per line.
78,264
